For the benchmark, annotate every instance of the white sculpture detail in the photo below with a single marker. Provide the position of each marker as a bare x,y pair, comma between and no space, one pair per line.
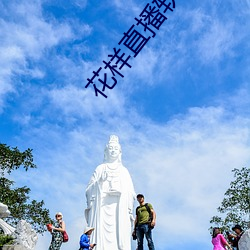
110,197
23,234
4,212
244,242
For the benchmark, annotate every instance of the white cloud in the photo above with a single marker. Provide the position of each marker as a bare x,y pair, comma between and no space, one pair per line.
80,3
130,9
198,20
24,40
183,167
205,33
83,103
32,33
217,42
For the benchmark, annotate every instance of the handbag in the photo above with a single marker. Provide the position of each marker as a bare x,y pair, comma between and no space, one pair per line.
65,236
49,227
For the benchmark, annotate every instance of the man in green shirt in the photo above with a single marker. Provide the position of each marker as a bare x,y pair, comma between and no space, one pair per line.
144,223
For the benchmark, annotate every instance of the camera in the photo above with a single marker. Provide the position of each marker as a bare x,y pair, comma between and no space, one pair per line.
134,235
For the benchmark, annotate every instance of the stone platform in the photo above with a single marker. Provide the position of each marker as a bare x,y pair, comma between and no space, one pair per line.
13,247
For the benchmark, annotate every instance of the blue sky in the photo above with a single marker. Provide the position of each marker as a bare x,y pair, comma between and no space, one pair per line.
181,111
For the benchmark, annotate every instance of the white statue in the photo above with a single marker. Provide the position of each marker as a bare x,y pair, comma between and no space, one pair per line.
25,235
244,242
4,212
110,197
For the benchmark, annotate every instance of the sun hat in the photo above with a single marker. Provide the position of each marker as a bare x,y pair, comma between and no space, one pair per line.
59,213
87,229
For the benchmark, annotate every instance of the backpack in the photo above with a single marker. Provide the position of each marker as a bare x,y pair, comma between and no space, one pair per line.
149,212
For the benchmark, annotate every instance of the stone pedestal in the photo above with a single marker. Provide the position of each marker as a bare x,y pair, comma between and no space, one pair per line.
13,247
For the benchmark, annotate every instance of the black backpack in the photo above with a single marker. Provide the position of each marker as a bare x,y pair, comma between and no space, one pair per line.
149,212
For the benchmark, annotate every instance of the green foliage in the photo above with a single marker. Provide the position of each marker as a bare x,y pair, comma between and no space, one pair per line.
235,206
12,159
6,240
17,199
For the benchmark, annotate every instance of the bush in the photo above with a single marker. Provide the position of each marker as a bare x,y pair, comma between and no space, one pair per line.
6,240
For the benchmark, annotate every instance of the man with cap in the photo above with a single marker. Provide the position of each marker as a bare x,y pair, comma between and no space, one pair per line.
84,240
239,231
144,223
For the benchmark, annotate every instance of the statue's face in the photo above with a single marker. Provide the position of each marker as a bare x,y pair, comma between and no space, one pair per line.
114,150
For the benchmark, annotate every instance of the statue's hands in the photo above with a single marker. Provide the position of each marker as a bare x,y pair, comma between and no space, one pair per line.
90,202
131,215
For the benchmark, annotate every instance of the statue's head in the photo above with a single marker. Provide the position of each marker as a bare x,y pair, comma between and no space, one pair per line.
113,150
4,211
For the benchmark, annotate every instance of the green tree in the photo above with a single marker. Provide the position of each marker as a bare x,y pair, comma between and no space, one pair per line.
17,199
235,207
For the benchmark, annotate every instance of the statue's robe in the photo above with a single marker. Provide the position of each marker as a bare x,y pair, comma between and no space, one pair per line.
110,197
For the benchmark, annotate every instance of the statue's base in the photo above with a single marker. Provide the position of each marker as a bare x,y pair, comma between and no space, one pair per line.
13,247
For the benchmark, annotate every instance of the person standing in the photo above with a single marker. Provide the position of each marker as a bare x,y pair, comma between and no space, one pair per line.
85,239
218,240
56,231
239,231
143,225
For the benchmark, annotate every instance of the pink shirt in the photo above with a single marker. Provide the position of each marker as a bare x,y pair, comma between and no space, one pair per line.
219,242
